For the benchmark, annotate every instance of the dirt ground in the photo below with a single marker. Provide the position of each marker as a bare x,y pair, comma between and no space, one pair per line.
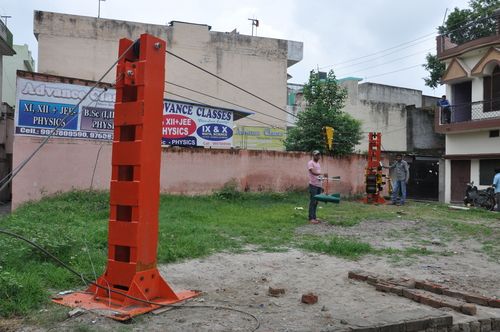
241,281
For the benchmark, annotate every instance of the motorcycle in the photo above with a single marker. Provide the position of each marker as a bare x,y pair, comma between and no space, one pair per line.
480,198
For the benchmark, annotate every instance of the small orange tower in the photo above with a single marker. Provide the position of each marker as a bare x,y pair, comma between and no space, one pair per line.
134,191
373,172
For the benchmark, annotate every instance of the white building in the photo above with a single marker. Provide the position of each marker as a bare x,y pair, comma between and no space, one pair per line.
472,79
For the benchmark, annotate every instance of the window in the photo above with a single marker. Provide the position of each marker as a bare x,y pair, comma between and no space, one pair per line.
487,171
491,90
494,133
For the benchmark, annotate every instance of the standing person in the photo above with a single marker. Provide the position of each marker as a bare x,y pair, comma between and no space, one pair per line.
496,184
401,177
315,188
445,109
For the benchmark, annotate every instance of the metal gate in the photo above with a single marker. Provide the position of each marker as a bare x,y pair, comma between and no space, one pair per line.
424,178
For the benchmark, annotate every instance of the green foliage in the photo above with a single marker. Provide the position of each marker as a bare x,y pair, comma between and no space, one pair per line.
461,26
325,100
229,191
436,70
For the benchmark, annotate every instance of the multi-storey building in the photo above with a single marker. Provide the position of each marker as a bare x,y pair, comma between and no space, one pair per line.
472,79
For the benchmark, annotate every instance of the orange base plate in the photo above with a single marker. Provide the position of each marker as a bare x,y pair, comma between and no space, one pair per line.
114,309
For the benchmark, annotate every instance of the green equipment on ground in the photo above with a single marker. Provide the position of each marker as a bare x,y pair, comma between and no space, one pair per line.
332,198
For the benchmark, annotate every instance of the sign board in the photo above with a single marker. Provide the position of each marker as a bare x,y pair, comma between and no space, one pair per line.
42,106
259,138
186,124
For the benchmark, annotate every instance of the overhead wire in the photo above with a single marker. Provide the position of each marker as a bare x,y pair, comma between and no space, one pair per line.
385,63
10,176
381,51
371,60
229,83
394,71
462,27
205,104
424,37
223,100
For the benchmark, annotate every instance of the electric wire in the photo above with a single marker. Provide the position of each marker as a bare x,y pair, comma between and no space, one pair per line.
90,282
205,104
394,71
428,36
385,63
425,37
10,176
220,99
228,82
371,60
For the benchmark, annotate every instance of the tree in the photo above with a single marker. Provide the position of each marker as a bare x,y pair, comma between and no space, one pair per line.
461,26
436,70
325,100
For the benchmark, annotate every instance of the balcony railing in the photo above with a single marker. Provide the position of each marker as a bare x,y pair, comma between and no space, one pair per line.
468,112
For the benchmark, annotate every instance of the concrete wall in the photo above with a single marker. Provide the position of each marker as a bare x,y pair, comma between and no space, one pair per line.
63,165
22,60
87,46
421,136
381,108
390,94
466,144
472,143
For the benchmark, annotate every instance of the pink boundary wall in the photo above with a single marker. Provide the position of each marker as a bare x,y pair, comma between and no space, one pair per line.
68,164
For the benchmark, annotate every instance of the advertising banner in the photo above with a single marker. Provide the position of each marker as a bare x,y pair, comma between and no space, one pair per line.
43,106
186,124
259,138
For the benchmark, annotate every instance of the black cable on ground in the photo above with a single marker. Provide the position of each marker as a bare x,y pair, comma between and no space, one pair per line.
80,275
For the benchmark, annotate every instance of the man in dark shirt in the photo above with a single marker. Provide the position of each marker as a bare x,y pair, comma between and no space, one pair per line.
444,104
401,177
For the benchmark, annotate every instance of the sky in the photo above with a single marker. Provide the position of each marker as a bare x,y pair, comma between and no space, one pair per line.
380,41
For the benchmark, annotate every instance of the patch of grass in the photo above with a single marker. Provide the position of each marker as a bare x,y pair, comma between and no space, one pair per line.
74,226
492,249
339,246
351,213
406,252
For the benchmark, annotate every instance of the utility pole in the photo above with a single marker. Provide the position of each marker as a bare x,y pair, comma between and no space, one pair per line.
99,8
255,23
5,17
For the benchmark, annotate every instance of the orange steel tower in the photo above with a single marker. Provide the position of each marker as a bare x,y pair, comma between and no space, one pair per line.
373,172
131,271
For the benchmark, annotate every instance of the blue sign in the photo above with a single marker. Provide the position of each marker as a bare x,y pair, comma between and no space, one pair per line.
214,132
184,141
47,115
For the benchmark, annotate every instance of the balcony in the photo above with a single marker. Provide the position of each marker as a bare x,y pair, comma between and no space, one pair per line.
468,117
485,37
